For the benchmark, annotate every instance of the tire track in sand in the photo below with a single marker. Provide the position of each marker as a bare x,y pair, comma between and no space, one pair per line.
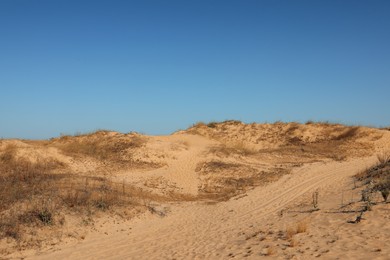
198,231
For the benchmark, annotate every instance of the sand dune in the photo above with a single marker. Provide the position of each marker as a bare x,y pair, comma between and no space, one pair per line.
223,190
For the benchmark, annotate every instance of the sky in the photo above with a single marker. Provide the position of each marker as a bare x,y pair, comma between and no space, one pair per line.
155,67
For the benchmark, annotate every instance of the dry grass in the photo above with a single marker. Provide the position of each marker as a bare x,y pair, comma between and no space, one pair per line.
211,128
383,159
212,124
349,133
317,140
216,166
232,122
300,227
40,196
21,179
379,171
41,193
377,177
99,148
239,148
23,182
198,124
222,180
325,122
383,186
270,251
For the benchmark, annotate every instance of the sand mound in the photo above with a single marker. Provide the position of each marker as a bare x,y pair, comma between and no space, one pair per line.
215,190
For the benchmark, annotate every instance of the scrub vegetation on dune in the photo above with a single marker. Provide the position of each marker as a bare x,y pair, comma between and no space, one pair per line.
50,188
377,177
313,140
43,193
100,145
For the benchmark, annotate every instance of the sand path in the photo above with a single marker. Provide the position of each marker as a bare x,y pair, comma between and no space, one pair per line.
183,152
198,231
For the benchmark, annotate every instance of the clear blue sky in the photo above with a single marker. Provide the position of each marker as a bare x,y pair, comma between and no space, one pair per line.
159,66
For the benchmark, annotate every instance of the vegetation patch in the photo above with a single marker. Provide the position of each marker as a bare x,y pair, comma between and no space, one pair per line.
100,146
375,179
223,180
237,148
39,194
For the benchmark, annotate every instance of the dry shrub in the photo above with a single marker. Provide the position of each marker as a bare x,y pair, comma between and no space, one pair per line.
383,159
198,124
300,227
383,185
98,193
10,227
212,124
101,148
378,175
24,182
270,251
347,134
242,148
290,232
232,122
376,179
217,166
239,148
40,214
223,180
37,194
22,179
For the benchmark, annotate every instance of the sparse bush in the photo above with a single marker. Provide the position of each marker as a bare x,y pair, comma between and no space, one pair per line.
198,124
383,159
270,251
216,166
212,124
100,148
383,186
45,216
300,227
34,194
239,148
232,121
377,179
101,204
21,179
10,227
385,194
347,134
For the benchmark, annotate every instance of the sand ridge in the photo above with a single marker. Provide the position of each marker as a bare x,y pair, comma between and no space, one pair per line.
246,185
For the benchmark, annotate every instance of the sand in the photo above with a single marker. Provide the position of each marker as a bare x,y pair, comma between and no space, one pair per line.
252,224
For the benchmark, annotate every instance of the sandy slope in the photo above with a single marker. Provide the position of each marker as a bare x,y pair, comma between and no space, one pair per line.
198,231
181,154
252,224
